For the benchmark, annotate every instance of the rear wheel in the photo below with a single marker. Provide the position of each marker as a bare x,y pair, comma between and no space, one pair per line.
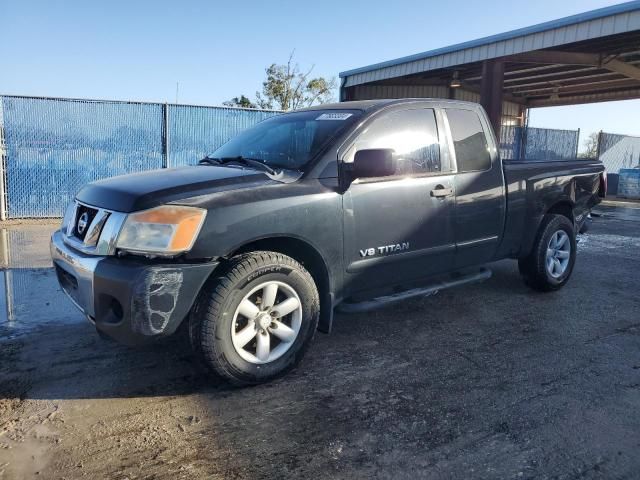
255,321
549,265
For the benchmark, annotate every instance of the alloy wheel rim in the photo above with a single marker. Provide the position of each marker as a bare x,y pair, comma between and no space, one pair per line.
267,322
558,254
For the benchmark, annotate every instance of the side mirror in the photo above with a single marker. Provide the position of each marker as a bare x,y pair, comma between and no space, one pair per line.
374,162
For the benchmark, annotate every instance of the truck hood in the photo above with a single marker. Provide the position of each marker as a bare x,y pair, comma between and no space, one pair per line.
139,191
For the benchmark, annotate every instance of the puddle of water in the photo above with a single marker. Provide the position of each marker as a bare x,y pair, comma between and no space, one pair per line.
609,243
619,213
30,295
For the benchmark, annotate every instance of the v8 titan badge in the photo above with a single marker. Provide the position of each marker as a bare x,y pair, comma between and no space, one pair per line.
385,249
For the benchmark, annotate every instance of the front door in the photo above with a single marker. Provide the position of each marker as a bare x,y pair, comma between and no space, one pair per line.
400,228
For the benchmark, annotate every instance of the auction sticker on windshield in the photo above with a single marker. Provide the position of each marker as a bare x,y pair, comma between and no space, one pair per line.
334,116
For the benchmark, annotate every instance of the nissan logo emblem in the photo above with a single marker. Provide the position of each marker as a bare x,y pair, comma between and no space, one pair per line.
83,222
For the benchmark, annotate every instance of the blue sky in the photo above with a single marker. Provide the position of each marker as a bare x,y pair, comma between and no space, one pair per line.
216,50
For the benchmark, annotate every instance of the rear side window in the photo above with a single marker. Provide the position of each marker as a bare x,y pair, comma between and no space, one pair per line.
469,140
412,134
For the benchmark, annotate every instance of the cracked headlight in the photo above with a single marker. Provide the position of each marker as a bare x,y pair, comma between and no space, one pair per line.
166,230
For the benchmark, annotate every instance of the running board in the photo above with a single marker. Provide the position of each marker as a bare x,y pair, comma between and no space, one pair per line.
375,303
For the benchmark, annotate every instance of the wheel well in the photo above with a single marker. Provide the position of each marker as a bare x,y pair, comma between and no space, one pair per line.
563,208
310,258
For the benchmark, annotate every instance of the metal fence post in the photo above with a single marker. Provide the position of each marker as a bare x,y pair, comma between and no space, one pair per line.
7,275
9,295
3,160
165,135
3,186
523,138
599,145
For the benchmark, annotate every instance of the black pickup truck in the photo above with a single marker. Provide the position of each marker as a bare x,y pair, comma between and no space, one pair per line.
350,206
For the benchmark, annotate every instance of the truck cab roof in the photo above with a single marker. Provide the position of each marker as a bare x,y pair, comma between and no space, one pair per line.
366,105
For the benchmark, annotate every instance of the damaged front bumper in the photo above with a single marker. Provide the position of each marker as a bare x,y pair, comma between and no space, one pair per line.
132,300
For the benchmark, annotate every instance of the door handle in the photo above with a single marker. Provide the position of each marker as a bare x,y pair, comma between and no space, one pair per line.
440,191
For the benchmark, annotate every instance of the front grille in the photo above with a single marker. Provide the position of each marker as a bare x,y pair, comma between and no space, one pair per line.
91,230
84,218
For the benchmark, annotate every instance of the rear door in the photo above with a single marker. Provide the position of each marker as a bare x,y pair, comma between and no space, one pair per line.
479,186
400,228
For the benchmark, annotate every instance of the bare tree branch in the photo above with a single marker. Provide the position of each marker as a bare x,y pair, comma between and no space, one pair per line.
288,88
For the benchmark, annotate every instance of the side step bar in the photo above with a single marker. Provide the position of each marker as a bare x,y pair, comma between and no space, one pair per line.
375,303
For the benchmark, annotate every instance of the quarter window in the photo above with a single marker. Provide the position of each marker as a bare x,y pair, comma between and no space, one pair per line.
469,140
412,134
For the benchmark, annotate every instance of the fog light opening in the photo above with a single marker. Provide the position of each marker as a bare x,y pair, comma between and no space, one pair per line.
116,309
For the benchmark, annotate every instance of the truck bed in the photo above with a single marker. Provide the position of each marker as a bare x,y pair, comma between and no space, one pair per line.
532,186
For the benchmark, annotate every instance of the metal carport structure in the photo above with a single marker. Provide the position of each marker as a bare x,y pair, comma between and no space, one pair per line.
585,58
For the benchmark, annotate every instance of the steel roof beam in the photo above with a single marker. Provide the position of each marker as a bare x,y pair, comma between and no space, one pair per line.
585,88
518,71
542,68
622,68
551,74
586,98
562,82
575,58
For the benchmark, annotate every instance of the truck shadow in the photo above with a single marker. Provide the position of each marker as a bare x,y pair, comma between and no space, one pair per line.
50,352
70,361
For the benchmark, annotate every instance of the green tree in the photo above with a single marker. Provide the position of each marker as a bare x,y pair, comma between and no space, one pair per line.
287,87
241,101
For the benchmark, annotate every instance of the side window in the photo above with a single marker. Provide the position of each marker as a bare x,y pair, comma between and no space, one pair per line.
412,134
469,140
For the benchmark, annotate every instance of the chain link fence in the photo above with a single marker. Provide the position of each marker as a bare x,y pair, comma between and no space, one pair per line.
53,146
195,131
530,143
617,152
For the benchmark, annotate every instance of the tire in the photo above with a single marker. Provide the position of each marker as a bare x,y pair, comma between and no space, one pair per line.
538,272
220,318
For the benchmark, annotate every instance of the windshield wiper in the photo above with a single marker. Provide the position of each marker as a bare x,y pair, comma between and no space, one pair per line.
251,162
210,161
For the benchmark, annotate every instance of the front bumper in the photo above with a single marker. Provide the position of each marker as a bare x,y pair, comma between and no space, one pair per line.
132,300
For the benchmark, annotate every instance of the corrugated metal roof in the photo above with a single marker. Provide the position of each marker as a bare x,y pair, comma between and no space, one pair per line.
606,21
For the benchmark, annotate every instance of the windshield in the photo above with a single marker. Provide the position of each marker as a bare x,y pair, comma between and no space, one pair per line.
290,140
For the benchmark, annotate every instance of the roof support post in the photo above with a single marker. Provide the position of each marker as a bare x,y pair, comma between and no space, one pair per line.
491,92
343,90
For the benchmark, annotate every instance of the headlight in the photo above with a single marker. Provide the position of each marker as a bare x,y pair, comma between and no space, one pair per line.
69,216
166,230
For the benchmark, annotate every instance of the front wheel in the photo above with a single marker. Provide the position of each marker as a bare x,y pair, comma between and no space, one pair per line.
550,263
255,321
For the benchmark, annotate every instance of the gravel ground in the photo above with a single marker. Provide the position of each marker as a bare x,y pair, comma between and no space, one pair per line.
486,381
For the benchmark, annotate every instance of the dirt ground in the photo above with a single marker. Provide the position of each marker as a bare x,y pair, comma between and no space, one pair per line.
486,381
